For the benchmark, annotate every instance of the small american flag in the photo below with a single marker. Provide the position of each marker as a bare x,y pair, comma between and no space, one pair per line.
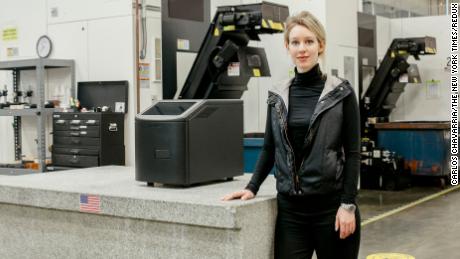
90,203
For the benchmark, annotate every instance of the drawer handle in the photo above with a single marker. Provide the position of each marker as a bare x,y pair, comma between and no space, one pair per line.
113,127
75,151
75,134
91,122
75,128
75,141
74,160
75,122
60,122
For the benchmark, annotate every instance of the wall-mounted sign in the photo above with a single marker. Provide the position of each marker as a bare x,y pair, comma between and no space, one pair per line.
10,34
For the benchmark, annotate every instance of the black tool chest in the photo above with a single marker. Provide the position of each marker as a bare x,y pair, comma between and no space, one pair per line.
88,139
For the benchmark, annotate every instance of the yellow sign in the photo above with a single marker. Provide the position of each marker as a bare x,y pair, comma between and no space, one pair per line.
275,25
264,23
216,32
430,50
10,34
256,72
229,28
144,71
389,256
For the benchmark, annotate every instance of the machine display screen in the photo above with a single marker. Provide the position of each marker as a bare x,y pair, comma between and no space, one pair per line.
169,108
186,9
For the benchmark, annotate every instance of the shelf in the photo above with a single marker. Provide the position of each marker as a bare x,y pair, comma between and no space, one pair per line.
17,171
28,64
27,112
40,66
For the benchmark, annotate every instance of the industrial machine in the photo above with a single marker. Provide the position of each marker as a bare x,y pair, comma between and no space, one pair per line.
382,168
200,137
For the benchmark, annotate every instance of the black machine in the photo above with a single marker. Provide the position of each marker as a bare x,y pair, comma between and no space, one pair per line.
184,142
383,168
200,138
225,48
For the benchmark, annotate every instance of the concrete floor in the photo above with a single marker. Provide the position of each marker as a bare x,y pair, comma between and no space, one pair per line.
374,202
429,230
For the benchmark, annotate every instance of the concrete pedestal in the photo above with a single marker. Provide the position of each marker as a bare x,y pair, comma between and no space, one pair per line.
40,217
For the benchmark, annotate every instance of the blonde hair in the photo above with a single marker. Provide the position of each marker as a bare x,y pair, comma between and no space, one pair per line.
309,21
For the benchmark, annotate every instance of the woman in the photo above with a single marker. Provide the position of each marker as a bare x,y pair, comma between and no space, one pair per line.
312,136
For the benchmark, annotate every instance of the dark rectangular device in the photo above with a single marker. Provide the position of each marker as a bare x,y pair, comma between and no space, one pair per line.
183,142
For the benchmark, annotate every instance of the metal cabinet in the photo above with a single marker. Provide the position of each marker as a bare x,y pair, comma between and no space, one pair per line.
88,139
424,145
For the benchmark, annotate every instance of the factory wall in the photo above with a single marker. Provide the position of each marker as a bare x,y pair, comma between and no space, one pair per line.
97,34
428,100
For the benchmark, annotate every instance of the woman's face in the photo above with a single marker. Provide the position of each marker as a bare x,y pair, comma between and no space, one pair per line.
303,47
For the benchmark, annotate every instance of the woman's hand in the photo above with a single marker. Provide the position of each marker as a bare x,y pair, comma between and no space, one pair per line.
346,222
243,195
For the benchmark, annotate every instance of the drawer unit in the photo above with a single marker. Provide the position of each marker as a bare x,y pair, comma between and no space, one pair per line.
88,139
75,161
75,142
93,151
92,133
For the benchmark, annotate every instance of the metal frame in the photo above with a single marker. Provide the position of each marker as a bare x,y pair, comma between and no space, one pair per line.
17,119
39,65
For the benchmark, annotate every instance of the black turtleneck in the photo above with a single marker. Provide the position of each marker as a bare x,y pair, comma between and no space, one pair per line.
303,96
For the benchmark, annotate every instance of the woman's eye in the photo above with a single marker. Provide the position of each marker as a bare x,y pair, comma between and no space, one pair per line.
295,42
310,42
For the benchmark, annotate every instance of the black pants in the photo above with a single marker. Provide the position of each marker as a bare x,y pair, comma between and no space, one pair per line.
304,225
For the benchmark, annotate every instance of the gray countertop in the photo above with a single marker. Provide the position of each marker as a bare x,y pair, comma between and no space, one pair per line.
122,196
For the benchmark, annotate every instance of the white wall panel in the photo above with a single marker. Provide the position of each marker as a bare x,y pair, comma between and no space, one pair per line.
29,19
70,41
383,36
60,11
98,9
342,37
110,47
